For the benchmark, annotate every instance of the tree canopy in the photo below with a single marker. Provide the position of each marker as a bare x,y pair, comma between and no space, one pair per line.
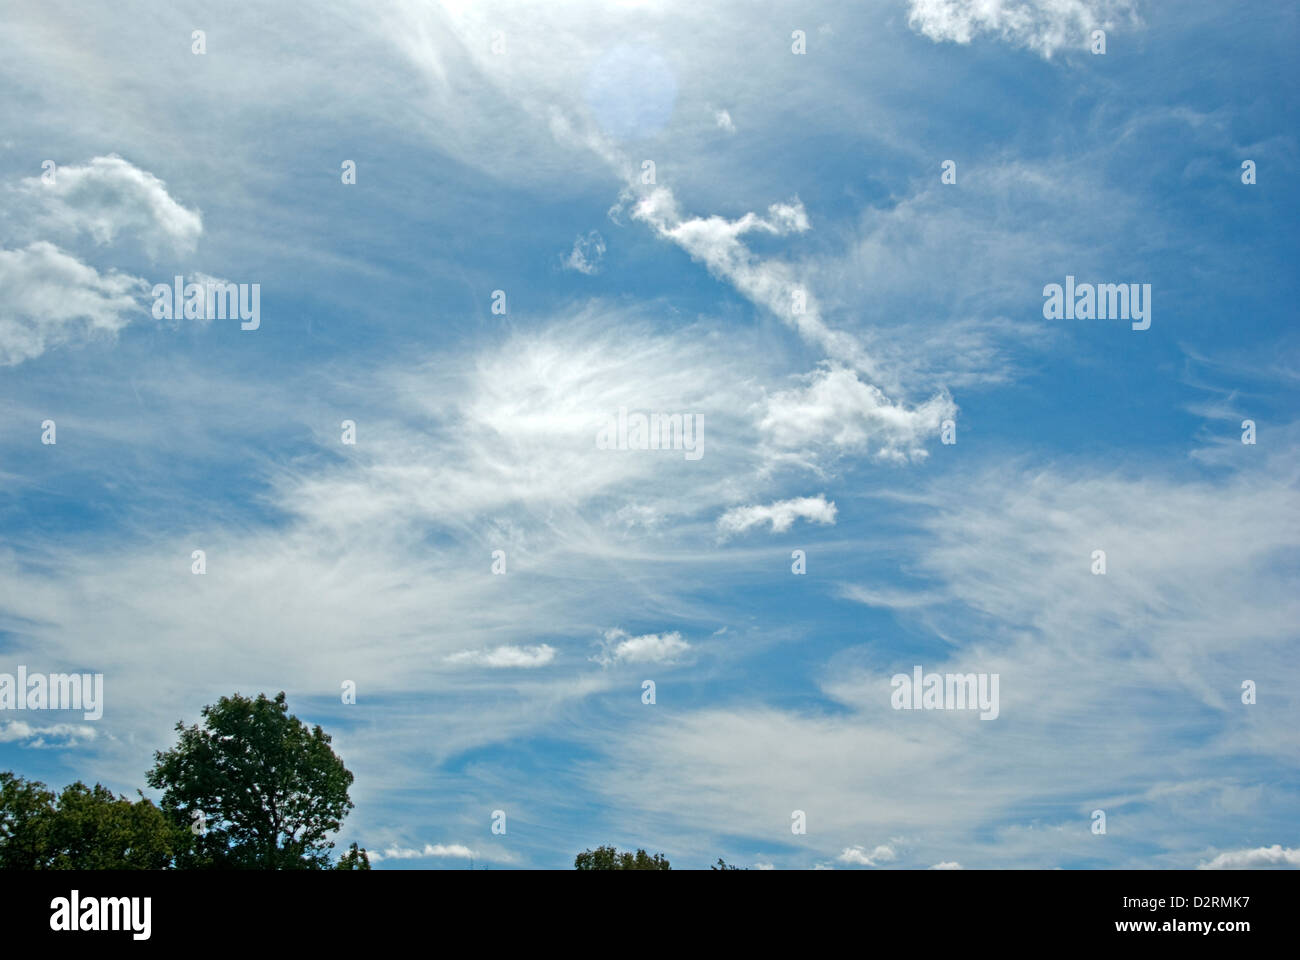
608,858
82,828
255,786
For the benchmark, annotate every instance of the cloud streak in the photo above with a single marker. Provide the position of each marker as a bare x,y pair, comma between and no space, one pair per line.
1044,26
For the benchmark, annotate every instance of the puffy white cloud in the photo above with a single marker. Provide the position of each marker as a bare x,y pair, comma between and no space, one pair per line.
1260,858
947,865
62,734
52,297
506,656
723,119
781,514
430,850
857,855
110,196
837,411
619,647
1044,26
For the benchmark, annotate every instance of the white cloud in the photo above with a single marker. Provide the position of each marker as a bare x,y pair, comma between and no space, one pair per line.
619,647
723,119
430,850
893,599
947,865
781,514
110,196
474,449
837,412
1004,556
51,298
464,438
62,734
586,254
857,855
1260,858
506,656
515,427
969,330
836,408
1043,26
772,284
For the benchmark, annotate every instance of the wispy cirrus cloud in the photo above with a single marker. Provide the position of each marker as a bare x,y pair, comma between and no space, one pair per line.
1007,578
478,436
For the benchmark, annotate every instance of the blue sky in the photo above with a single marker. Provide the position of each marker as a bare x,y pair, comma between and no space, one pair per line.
500,146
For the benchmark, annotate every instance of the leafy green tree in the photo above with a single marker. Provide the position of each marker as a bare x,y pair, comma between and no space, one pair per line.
723,865
25,808
255,786
92,829
608,858
83,828
355,859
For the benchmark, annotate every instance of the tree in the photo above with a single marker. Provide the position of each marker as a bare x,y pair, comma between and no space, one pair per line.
25,807
83,828
608,858
354,859
723,865
92,829
255,787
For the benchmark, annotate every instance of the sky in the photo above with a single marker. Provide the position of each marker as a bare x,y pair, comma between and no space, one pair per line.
824,235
